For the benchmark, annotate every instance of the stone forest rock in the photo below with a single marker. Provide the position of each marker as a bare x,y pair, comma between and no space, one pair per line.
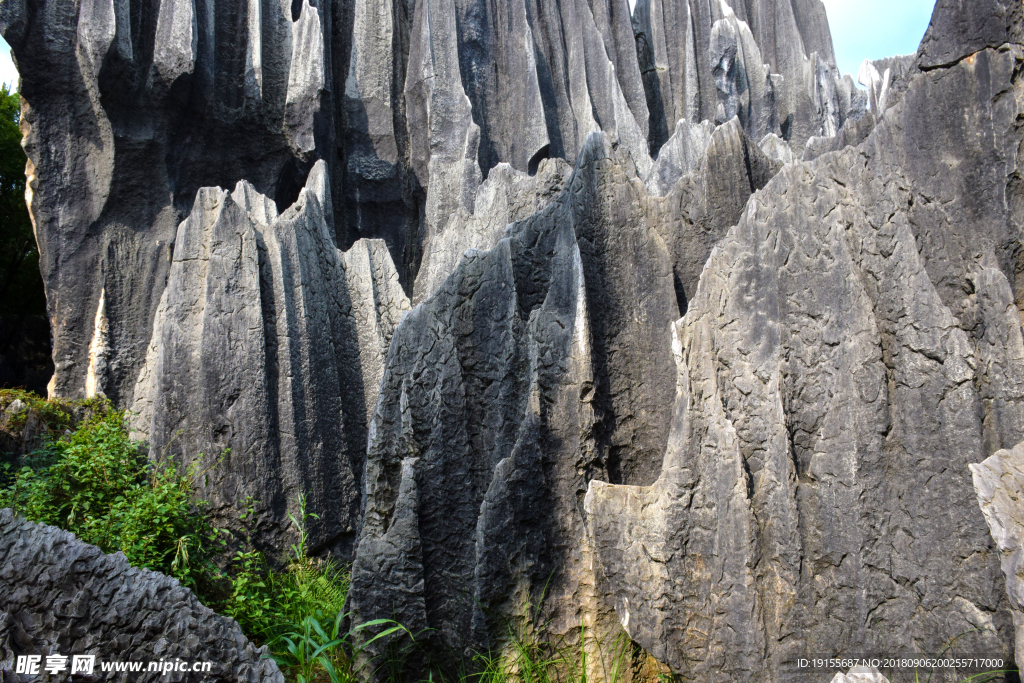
285,336
999,485
705,337
58,594
852,346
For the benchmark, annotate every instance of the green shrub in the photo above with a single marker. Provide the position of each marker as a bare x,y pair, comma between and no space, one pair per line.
98,484
264,601
298,611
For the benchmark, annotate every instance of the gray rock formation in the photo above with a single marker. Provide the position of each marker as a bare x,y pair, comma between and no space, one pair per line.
500,382
506,196
59,595
851,348
555,184
768,61
536,361
958,30
284,337
706,197
886,79
682,154
999,485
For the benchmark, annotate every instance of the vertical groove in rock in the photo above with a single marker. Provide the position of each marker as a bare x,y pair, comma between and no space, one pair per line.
281,393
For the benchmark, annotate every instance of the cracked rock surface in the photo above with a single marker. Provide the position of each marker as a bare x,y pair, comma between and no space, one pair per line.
853,345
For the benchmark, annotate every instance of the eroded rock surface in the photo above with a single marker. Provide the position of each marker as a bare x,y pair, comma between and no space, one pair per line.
838,370
999,485
554,184
284,338
770,62
59,595
497,382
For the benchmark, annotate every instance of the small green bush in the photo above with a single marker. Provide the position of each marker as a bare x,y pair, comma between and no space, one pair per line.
98,484
264,601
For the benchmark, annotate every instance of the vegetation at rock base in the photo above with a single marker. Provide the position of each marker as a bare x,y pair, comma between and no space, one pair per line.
89,477
98,484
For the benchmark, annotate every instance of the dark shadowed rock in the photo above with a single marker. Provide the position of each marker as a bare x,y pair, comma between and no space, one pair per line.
506,382
706,197
113,99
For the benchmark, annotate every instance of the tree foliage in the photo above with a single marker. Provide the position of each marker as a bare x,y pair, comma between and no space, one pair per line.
21,288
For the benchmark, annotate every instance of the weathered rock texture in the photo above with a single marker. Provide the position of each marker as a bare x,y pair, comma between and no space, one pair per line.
59,595
497,383
770,62
999,485
852,346
782,472
284,338
430,125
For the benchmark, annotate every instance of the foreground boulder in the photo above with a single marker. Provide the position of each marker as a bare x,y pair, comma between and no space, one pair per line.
59,595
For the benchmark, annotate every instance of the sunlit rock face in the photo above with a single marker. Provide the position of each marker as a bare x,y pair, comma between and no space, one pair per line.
838,370
704,337
283,337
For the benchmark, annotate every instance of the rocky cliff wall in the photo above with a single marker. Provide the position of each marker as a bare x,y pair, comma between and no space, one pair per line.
426,125
705,337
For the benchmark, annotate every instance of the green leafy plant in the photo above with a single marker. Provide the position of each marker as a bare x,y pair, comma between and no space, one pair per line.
54,418
98,484
299,611
264,601
307,645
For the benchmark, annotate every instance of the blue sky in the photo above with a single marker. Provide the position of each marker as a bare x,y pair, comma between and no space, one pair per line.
869,29
861,29
8,74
